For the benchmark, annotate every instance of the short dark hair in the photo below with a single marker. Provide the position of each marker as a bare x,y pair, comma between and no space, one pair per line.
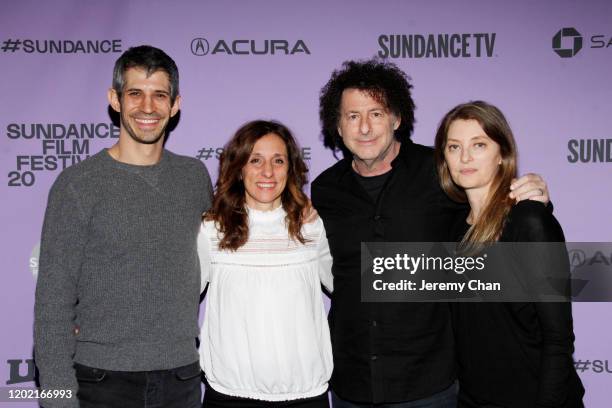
228,206
150,59
383,81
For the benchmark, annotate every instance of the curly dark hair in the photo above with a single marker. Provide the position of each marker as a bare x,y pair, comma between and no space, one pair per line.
383,81
228,206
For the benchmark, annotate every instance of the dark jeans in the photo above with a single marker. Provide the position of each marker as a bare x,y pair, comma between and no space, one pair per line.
174,388
214,399
467,401
443,399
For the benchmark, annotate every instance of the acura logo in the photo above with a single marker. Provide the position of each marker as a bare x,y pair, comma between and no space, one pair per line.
199,46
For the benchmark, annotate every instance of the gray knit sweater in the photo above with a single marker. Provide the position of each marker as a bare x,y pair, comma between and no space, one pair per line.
118,260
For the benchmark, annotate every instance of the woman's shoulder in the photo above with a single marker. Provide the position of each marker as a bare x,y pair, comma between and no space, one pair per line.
313,230
532,221
208,229
529,211
207,224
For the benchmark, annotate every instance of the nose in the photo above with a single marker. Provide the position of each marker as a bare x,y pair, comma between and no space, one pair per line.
266,169
364,125
466,155
147,104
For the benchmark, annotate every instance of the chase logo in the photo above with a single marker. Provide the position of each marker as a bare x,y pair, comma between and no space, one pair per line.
199,46
557,42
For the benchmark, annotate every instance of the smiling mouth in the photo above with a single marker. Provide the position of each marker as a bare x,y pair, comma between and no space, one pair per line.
265,185
146,122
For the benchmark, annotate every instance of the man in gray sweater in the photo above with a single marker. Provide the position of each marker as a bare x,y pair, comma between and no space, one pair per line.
119,283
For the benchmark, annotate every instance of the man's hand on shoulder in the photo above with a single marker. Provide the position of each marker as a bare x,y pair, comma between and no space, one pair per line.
309,213
531,186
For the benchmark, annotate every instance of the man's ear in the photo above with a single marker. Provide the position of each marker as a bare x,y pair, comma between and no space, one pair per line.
176,107
397,123
113,100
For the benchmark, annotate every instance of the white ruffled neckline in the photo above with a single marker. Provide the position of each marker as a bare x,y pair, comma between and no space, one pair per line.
259,216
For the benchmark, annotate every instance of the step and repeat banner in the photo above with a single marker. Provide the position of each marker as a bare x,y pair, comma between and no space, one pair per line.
546,64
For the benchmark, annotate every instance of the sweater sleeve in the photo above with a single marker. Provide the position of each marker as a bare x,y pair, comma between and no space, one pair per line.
325,261
535,223
63,238
207,188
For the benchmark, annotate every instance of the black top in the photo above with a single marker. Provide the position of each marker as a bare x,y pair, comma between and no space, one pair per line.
385,352
373,185
518,354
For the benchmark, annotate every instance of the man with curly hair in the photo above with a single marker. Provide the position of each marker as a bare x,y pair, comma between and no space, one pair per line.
384,190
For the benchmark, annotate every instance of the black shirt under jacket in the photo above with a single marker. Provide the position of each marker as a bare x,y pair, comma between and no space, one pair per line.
385,352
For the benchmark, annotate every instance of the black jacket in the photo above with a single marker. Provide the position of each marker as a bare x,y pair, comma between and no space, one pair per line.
385,352
518,355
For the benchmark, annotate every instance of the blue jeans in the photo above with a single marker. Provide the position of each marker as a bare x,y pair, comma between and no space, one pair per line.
443,399
174,388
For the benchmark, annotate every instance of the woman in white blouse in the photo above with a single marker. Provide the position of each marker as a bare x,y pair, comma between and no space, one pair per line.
265,338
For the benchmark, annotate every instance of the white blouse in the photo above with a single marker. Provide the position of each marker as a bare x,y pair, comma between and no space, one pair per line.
265,334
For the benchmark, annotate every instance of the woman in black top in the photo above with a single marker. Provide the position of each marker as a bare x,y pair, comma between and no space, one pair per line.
509,354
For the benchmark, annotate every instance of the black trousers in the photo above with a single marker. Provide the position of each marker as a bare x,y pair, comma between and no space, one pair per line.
174,388
214,399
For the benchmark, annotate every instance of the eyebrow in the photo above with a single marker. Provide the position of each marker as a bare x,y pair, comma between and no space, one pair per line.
274,155
140,90
471,138
369,110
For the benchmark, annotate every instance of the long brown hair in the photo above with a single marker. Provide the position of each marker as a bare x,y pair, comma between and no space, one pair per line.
228,206
488,226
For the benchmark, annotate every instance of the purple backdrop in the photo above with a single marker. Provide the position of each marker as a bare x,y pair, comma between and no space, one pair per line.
508,53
